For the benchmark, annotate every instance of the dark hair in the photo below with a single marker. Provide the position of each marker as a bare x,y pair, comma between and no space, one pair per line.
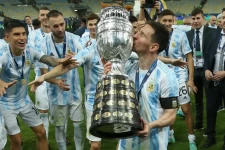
197,11
13,23
36,22
26,17
160,36
5,20
54,13
166,12
133,19
223,10
92,16
44,8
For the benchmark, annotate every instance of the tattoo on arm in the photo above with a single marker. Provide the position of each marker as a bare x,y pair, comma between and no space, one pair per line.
49,60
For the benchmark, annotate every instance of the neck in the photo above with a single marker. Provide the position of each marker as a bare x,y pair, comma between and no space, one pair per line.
45,28
170,30
93,36
56,40
16,52
146,60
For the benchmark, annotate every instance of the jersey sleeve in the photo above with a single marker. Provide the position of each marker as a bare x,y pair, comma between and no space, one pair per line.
84,55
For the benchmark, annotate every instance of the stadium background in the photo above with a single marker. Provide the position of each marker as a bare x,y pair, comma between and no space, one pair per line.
75,9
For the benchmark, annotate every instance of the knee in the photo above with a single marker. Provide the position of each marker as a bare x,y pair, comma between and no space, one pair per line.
95,145
41,134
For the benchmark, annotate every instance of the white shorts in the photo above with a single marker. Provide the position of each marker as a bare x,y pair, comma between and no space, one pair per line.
29,114
59,113
41,97
184,96
89,136
3,137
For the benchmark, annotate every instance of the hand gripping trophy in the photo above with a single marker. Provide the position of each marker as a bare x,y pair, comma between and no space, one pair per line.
116,109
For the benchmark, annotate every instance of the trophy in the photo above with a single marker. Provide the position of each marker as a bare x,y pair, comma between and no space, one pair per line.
116,109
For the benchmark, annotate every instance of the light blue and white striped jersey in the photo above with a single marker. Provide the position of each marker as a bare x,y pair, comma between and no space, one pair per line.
34,39
3,43
16,96
93,71
161,83
178,48
55,94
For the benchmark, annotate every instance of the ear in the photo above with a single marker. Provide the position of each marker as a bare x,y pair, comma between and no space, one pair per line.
7,37
154,47
39,18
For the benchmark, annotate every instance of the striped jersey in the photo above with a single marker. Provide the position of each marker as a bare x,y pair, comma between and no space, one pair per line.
34,39
16,96
3,43
178,48
55,94
93,71
3,136
161,83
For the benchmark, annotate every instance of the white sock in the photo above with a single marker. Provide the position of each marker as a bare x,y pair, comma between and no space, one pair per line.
44,117
191,138
60,137
171,132
65,129
78,135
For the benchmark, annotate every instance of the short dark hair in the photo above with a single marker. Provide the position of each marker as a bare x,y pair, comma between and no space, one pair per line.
54,13
160,36
197,11
13,23
44,8
26,17
5,20
133,19
36,22
92,16
223,10
166,12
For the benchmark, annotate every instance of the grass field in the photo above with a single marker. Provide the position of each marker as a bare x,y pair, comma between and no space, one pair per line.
179,127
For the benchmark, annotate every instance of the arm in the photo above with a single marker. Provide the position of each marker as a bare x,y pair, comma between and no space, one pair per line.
51,61
191,72
166,119
175,62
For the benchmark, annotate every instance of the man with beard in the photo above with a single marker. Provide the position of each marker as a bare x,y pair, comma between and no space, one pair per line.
41,97
15,64
65,100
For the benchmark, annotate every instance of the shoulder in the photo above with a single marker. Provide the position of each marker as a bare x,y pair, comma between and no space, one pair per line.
72,36
178,33
164,71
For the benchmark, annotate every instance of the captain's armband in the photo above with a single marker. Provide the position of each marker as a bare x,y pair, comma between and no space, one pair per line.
169,102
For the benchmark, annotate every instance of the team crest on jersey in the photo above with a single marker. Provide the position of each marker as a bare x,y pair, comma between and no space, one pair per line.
151,86
173,44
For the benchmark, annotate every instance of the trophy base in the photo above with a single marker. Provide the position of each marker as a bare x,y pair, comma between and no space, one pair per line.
116,109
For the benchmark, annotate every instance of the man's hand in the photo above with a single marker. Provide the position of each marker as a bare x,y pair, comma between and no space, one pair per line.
4,86
61,84
157,6
66,61
107,67
142,2
146,129
192,86
218,76
208,75
37,82
179,62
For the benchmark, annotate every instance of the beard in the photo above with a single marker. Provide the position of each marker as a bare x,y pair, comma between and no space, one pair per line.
58,36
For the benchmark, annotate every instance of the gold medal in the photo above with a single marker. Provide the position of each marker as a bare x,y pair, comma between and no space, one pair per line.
27,62
69,51
24,82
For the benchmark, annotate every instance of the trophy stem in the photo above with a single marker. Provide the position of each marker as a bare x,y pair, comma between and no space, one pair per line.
117,67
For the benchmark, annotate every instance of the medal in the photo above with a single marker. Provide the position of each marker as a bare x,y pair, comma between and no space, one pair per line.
69,51
27,62
24,82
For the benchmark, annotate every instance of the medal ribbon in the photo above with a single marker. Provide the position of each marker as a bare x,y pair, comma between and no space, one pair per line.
64,47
